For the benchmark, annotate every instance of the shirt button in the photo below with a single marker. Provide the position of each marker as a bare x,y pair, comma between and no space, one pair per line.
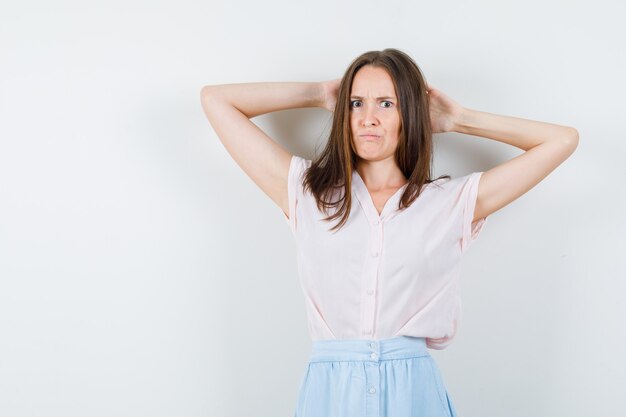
373,355
370,292
372,345
375,222
375,253
372,390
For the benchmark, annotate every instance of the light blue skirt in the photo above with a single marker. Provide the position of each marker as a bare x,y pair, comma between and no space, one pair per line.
395,377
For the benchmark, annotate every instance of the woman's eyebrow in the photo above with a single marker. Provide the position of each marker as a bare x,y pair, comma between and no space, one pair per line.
377,98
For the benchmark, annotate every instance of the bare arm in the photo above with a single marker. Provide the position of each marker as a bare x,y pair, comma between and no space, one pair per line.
547,145
229,107
254,99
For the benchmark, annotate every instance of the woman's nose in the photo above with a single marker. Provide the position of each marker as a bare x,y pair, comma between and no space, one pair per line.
369,116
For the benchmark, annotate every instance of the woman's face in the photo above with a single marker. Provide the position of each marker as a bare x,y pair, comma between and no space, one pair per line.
374,111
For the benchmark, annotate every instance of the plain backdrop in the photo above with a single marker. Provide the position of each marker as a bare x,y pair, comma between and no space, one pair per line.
142,273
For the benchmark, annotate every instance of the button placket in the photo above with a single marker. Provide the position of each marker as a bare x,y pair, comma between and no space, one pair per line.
372,372
373,255
377,238
369,283
374,354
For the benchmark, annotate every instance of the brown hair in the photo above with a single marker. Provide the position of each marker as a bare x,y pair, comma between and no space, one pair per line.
332,170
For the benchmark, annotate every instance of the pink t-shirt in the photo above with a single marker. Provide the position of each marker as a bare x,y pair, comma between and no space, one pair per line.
384,275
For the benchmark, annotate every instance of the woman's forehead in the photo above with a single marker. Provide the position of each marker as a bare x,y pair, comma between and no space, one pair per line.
372,82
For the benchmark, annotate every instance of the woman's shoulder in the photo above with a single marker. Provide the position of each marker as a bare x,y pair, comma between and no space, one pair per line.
451,182
299,163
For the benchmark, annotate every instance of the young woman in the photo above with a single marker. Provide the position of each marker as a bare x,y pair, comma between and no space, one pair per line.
379,241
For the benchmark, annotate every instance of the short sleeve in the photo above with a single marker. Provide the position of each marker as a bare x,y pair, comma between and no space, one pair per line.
297,167
469,194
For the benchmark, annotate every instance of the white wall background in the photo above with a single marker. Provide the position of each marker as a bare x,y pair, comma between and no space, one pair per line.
142,273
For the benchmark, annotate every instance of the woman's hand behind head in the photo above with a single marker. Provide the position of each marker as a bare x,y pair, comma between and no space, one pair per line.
444,111
329,93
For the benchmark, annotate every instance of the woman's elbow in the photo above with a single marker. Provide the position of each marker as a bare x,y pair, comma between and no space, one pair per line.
205,91
571,139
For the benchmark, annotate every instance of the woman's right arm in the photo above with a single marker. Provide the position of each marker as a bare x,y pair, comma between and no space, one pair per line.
229,108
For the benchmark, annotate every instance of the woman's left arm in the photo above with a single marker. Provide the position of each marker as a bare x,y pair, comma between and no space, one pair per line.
546,146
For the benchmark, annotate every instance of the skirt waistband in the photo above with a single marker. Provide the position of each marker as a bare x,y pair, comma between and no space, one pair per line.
370,350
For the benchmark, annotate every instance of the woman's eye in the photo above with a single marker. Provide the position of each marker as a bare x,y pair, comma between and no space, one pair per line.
353,102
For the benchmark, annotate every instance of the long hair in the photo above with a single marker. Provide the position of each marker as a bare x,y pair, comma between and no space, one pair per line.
332,170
